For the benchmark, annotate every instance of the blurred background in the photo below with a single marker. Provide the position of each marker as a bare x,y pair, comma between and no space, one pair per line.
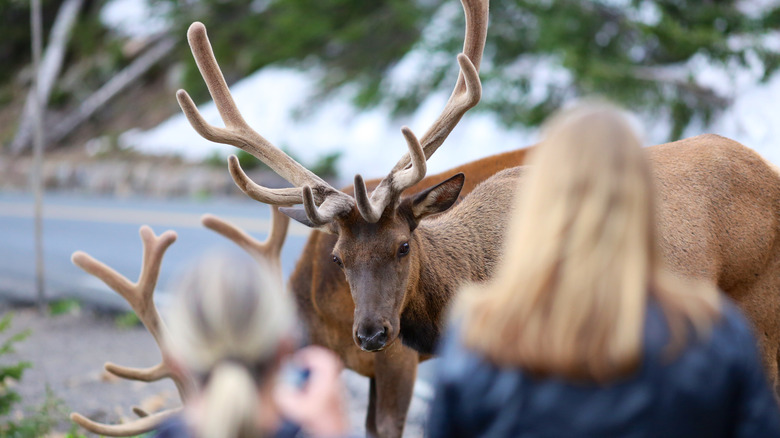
330,82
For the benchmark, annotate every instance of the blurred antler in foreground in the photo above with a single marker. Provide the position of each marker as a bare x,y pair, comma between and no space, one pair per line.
267,252
140,296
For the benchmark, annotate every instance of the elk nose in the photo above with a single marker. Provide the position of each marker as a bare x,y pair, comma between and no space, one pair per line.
370,340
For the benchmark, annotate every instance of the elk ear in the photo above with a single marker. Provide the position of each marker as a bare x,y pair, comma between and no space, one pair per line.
437,198
299,215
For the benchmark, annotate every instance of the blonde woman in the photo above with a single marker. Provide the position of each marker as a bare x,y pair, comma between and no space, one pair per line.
583,333
231,330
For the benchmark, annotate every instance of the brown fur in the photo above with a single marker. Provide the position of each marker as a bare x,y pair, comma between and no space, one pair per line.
719,217
462,245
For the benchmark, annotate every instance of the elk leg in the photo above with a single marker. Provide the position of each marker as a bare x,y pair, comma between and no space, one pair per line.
371,430
395,372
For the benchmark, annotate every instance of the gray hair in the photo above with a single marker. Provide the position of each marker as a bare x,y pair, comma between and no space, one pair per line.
228,321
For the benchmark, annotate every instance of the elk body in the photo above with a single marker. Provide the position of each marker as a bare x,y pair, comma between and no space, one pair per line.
327,309
719,219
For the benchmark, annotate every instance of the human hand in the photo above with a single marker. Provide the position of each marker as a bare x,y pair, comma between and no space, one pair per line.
318,406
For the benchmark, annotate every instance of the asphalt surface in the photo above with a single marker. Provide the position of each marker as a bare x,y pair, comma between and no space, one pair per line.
107,229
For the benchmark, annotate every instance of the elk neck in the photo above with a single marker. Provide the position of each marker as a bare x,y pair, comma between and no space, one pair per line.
460,246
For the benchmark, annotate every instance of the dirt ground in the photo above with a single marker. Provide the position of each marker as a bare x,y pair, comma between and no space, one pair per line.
68,352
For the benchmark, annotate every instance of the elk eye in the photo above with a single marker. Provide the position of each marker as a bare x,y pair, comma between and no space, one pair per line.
337,261
403,249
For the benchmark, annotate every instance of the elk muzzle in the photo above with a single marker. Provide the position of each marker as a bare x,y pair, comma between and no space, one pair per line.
373,336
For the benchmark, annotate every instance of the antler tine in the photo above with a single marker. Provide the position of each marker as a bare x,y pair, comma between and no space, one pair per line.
394,184
267,252
151,374
286,196
468,89
280,222
137,427
331,208
140,296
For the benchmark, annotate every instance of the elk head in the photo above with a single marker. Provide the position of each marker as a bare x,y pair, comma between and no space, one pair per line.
376,247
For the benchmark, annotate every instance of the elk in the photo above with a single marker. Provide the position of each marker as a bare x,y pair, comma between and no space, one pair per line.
719,220
360,216
326,308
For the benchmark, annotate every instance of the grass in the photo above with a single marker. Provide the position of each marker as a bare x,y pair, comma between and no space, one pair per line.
64,307
127,320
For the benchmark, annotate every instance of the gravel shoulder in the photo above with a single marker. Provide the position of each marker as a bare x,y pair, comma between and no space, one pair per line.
68,351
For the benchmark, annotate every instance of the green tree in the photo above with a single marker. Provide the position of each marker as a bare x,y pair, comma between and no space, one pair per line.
89,38
636,52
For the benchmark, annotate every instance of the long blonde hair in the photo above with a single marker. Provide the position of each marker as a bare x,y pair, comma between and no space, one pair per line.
581,259
226,327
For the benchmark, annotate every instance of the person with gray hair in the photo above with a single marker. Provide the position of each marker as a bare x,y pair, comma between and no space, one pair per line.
232,331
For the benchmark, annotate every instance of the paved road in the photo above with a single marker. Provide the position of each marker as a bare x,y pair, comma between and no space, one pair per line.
107,229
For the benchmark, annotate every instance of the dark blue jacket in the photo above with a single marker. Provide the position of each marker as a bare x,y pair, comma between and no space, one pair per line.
715,387
175,428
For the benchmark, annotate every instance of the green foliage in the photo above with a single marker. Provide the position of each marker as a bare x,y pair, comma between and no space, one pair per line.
89,38
356,40
40,420
64,306
127,320
10,373
326,165
215,159
248,161
631,52
30,422
245,159
15,46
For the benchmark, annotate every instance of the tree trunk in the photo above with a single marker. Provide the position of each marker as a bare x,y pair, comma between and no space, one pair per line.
49,70
114,86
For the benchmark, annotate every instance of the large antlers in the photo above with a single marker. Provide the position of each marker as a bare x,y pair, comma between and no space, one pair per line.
468,88
238,133
140,296
323,203
467,92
